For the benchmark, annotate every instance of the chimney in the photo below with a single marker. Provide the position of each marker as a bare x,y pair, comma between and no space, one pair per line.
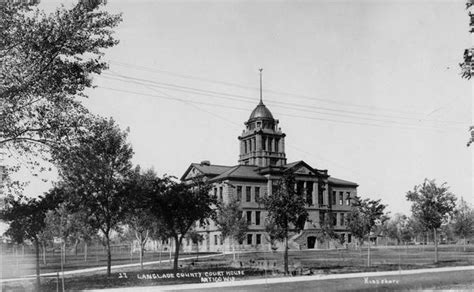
205,162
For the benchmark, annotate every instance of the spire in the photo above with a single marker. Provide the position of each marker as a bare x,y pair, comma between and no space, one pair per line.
261,69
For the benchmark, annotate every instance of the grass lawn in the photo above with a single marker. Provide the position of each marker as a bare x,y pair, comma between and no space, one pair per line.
257,264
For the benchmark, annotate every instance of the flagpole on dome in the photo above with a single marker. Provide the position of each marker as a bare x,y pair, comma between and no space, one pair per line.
261,69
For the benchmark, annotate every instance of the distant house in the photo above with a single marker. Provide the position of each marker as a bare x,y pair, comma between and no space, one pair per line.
262,161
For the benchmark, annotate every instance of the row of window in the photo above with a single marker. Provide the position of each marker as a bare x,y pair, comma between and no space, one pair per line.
258,239
267,144
337,219
219,191
249,217
300,189
248,193
347,199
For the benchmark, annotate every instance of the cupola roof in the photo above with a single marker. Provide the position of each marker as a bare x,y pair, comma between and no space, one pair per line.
261,112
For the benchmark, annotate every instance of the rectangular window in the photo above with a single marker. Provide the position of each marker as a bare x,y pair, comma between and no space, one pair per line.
215,192
341,198
249,238
264,143
249,217
334,219
349,238
221,239
259,239
215,240
257,218
333,198
257,194
239,193
220,193
341,222
348,198
309,193
248,194
320,195
321,218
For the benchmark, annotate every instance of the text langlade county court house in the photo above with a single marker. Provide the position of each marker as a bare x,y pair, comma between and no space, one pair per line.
261,163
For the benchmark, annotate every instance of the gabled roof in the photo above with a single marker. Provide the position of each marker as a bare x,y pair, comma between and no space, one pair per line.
240,172
301,163
206,169
337,181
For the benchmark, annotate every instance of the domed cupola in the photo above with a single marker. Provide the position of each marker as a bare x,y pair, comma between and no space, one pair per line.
262,143
260,112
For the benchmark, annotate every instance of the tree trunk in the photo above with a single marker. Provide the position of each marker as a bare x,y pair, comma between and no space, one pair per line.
38,281
368,252
161,250
85,251
44,252
435,235
233,249
141,255
75,247
464,243
176,253
109,254
64,252
286,254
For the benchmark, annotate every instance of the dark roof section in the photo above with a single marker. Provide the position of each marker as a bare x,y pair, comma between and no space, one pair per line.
341,182
261,111
206,170
240,172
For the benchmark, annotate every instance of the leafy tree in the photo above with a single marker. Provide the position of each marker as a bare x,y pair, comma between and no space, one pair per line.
431,205
326,231
140,188
398,227
179,206
27,221
195,238
365,215
231,222
272,233
467,66
47,61
94,171
463,221
286,209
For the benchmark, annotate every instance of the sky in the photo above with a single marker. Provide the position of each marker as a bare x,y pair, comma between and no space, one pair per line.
369,90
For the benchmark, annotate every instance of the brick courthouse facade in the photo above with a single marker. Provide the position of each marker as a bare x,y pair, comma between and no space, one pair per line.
262,161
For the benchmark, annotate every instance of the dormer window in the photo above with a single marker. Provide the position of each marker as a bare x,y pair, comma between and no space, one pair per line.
259,124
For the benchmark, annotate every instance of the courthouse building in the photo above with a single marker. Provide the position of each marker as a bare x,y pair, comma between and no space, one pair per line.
261,162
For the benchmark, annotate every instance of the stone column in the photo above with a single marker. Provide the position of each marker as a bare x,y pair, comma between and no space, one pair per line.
259,142
326,198
241,147
304,191
269,187
315,193
282,145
